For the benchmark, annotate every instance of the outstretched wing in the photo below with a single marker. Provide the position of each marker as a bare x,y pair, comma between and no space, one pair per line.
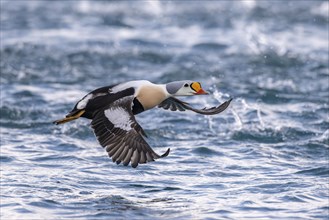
119,133
175,104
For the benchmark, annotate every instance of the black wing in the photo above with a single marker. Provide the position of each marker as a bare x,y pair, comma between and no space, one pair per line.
118,131
91,99
175,104
98,99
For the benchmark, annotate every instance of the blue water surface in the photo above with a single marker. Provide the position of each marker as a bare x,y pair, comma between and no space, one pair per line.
266,157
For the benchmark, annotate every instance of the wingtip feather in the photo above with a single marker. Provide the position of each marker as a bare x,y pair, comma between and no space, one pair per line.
166,153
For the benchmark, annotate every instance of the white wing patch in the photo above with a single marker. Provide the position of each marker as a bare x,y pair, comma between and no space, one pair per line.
83,102
119,117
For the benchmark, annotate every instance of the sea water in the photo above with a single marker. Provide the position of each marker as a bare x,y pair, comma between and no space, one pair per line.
265,157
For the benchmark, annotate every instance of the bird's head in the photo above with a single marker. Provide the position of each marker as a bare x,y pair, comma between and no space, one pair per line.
185,88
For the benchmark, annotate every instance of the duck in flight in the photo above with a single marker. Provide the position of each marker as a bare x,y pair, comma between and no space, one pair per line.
112,109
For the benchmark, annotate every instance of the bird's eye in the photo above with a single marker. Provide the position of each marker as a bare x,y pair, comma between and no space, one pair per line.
186,85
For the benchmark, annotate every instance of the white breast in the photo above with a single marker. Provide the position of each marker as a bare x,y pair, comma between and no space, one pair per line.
151,95
147,93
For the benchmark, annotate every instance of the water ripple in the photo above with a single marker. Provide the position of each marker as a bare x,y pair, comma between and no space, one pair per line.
266,157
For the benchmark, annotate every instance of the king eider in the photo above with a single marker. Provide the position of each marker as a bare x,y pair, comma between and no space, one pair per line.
112,109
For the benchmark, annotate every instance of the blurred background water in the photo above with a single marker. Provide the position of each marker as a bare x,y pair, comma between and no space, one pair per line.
266,157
